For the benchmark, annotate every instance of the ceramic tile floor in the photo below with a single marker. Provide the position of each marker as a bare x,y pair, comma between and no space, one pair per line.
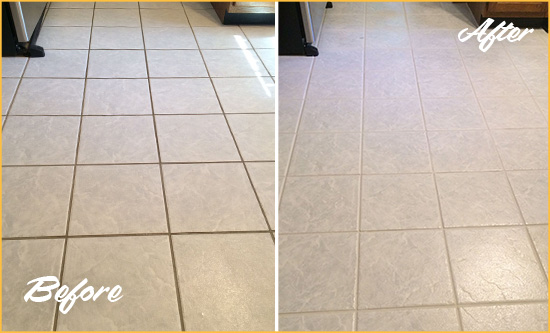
413,176
140,152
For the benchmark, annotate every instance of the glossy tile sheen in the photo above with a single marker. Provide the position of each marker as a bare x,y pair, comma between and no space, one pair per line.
539,234
23,261
403,268
117,97
531,191
387,152
40,140
235,270
495,264
49,97
214,38
399,202
152,18
117,139
521,317
255,135
35,201
334,321
246,95
317,272
463,151
325,154
118,199
195,139
420,319
175,63
181,96
169,38
121,261
474,199
203,205
319,204
233,63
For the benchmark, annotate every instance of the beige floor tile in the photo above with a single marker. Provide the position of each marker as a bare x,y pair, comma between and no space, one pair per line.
513,112
393,115
531,191
438,59
391,84
72,5
35,201
317,272
263,179
128,64
268,58
175,63
116,18
444,84
169,38
319,204
404,268
388,59
117,199
40,140
261,37
160,5
59,63
8,92
116,38
69,17
539,234
289,115
184,96
152,18
117,97
286,140
331,321
204,138
495,264
420,319
233,63
246,95
203,17
117,139
336,115
503,83
116,4
387,38
230,37
142,266
255,135
329,85
64,38
49,97
453,114
512,145
23,261
235,270
520,317
203,205
13,66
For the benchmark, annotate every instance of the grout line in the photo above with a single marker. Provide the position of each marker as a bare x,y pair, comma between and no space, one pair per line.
446,243
15,92
71,195
272,234
140,115
161,174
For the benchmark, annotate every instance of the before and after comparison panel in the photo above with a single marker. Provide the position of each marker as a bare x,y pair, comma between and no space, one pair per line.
274,166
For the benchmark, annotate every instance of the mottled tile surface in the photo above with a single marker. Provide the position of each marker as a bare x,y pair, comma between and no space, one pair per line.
327,321
521,317
420,319
49,97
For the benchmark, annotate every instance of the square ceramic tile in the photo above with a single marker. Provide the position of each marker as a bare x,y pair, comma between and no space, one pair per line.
49,97
23,261
263,180
161,18
393,114
426,8
289,115
204,138
116,4
433,39
233,269
35,200
539,234
404,268
230,37
116,38
444,84
197,5
64,38
420,319
40,140
149,301
342,38
116,18
514,112
399,202
531,191
474,199
388,59
203,17
286,142
386,20
233,63
268,57
72,5
13,66
325,84
319,204
542,102
69,17
255,135
117,199
8,91
169,38
180,96
523,149
293,86
331,321
326,153
317,272
203,205
476,60
331,60
117,139
62,64
391,84
463,151
117,64
514,317
395,152
502,83
438,59
452,113
117,97
175,63
160,5
246,95
261,36
335,115
387,38
376,7
536,81
442,21
495,264
529,57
